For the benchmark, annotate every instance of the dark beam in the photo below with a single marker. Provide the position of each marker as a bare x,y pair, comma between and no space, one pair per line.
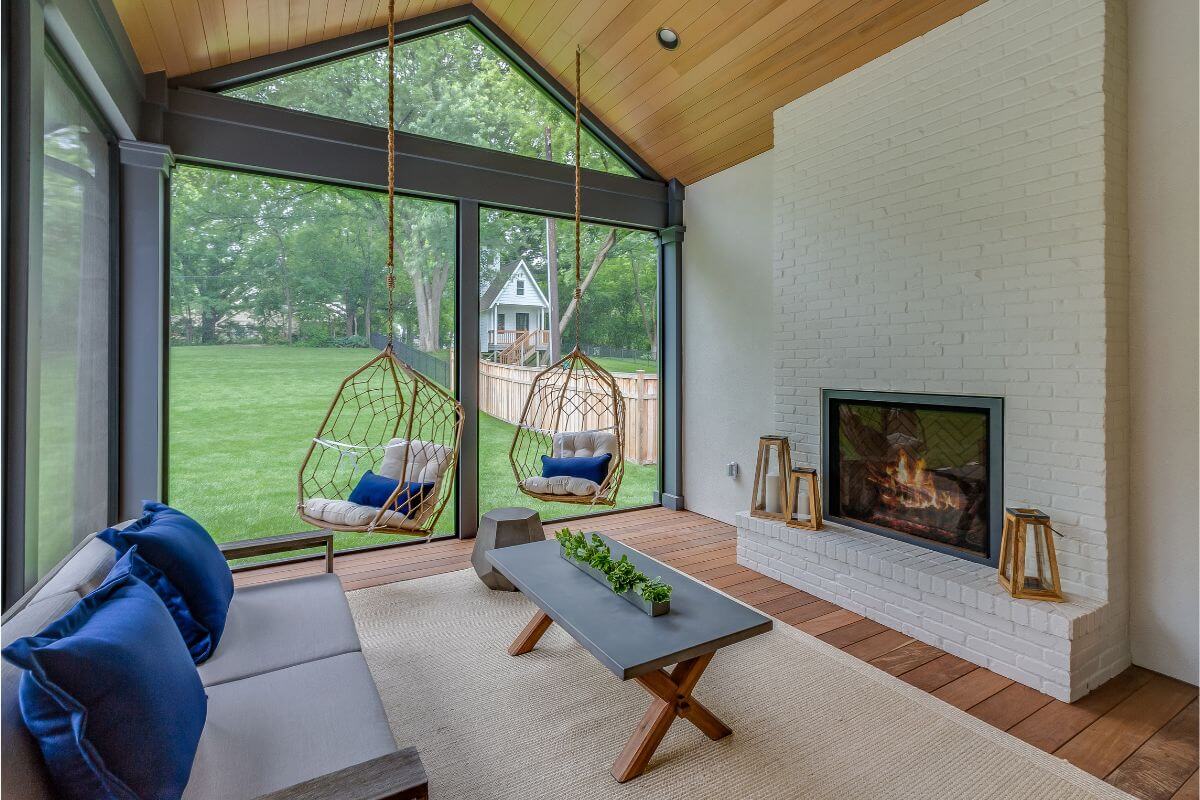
670,301
257,69
467,365
224,131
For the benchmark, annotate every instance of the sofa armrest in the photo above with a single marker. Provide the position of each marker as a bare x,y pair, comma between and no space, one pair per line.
284,543
396,776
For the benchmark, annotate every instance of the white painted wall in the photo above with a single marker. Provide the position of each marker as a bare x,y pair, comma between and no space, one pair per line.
945,222
727,350
1163,211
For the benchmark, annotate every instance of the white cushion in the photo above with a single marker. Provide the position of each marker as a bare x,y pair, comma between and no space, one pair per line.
343,512
427,461
561,485
585,444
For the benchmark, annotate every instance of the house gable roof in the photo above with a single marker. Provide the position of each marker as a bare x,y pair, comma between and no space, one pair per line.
489,297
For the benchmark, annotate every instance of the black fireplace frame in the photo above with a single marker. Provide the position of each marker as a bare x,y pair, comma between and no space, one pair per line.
992,406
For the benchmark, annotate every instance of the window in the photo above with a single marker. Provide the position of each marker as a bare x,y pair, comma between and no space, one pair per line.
619,328
277,292
499,322
520,287
70,312
451,85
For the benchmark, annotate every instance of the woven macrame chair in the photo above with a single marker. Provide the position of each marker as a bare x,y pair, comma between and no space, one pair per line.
386,417
573,400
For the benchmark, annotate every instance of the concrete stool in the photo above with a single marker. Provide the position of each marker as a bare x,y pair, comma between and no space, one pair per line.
503,527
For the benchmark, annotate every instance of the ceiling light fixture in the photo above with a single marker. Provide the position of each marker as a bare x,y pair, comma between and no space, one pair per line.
667,37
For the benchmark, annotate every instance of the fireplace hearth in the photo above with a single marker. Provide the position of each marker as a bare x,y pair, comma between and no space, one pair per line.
922,468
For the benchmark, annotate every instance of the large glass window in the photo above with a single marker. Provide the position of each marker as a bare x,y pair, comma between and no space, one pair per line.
277,292
618,328
68,412
450,85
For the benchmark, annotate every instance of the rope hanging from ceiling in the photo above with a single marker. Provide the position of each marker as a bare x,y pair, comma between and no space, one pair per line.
386,418
574,410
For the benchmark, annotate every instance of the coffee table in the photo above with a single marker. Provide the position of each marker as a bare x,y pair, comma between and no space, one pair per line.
630,643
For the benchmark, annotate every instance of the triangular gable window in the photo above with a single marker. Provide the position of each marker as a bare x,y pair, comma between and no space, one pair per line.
450,85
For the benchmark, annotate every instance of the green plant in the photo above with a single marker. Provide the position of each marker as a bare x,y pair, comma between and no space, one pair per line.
621,574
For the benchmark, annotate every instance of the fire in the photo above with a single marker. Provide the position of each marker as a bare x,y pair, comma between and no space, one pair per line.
909,485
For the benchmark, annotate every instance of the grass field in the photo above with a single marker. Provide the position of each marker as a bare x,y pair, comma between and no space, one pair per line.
242,416
628,365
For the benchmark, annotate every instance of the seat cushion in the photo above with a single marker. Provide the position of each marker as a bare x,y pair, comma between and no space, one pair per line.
279,625
562,485
274,730
343,512
426,461
185,552
114,657
584,444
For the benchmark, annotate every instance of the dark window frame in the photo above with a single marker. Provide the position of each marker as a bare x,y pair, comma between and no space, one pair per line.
30,51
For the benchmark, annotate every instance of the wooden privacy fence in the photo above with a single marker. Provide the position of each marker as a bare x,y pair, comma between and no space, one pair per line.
504,387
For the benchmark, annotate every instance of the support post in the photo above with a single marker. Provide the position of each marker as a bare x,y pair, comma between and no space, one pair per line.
145,195
670,351
466,343
24,46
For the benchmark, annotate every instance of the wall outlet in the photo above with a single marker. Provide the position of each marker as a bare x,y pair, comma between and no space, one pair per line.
732,469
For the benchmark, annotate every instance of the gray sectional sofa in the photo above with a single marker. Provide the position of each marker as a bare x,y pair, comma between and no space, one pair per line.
292,708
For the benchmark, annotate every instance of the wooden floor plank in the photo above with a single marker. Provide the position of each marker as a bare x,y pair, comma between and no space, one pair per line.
786,603
906,657
828,622
807,611
1009,706
1190,789
973,688
1102,746
1139,729
850,634
877,645
937,673
1161,766
1053,725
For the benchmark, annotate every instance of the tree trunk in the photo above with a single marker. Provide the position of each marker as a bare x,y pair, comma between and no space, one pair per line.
648,324
552,268
601,254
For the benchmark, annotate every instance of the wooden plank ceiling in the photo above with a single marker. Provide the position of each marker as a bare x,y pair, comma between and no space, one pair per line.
690,112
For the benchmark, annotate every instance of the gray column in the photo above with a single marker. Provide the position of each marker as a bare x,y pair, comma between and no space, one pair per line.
466,361
670,351
145,195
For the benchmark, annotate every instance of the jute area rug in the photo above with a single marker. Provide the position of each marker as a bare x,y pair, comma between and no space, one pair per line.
808,720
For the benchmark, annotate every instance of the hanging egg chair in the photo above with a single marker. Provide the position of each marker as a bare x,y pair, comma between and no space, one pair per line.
569,446
392,421
384,458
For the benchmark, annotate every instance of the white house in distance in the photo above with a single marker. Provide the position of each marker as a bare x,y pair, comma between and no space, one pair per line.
514,317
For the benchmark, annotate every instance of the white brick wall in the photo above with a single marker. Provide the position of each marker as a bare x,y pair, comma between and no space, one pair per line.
1062,649
950,218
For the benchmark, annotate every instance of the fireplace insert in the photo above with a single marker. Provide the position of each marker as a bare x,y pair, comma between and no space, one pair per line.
922,468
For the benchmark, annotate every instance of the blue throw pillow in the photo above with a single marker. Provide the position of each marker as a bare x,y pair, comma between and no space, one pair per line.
374,490
183,551
592,468
111,694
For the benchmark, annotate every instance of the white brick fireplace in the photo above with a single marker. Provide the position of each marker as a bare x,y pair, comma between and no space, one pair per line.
950,219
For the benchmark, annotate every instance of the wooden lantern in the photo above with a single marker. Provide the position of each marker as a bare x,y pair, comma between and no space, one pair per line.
769,447
1028,565
806,476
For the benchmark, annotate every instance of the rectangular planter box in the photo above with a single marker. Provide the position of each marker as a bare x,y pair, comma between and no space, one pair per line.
632,597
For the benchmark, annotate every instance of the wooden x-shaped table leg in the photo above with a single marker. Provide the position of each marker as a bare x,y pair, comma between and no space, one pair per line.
672,698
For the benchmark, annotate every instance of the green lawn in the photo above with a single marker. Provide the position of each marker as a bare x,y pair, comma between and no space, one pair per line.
242,416
628,365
